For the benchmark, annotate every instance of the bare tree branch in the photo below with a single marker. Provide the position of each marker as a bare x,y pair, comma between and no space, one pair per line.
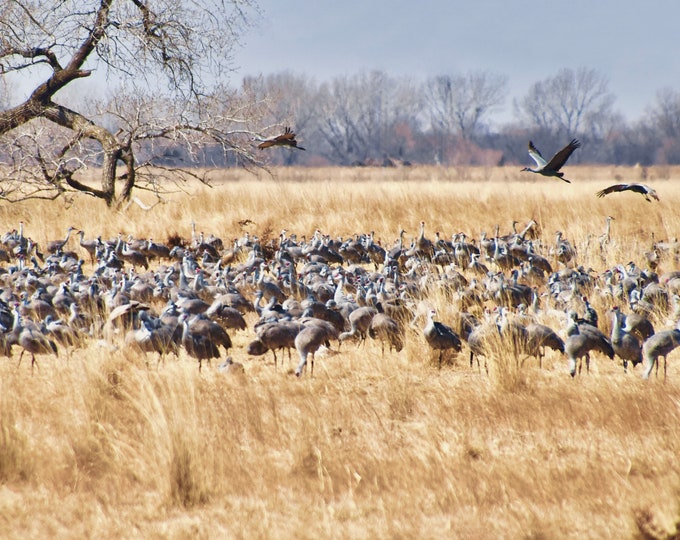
188,43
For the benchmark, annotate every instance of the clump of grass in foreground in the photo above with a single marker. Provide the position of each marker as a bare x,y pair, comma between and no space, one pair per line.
16,457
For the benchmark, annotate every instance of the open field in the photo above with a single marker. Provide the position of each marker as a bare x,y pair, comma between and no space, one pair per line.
96,443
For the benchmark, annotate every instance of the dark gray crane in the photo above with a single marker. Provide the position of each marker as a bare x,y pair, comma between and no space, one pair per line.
440,337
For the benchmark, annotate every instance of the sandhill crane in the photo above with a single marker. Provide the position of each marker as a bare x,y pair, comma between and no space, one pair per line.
62,333
625,344
360,321
590,314
199,346
269,287
287,138
154,250
201,325
326,312
643,189
439,336
133,256
227,316
307,342
540,336
273,337
154,336
386,329
605,237
479,338
58,245
637,324
424,246
30,338
583,338
660,345
552,167
564,251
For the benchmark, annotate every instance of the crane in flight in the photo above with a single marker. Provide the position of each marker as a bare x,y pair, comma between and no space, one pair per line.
643,189
552,167
287,138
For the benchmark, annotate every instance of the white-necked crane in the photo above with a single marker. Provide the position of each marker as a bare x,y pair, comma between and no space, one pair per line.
552,167
440,336
643,189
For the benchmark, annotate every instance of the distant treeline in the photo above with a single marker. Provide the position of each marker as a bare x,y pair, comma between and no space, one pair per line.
377,119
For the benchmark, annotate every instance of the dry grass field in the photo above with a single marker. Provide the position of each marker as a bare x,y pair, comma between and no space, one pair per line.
97,444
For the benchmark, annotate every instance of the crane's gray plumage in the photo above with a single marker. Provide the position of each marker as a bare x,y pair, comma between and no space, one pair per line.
360,321
440,337
287,138
385,329
583,338
626,345
552,167
660,345
540,336
198,345
643,189
307,342
275,336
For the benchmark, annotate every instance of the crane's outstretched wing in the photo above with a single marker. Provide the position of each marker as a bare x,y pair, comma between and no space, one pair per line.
536,156
643,189
611,189
287,138
559,159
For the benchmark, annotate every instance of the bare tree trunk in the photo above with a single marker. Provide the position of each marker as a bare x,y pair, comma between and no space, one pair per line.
129,159
86,128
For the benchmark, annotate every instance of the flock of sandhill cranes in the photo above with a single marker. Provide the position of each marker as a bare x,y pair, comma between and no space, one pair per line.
513,294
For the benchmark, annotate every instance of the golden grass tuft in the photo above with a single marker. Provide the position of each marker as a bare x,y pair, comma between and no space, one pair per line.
103,443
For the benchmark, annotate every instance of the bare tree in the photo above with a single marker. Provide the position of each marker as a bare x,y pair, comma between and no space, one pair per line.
458,104
358,115
663,120
167,61
287,99
572,102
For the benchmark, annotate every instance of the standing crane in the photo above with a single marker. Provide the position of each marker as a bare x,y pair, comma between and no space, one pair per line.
660,345
440,336
625,344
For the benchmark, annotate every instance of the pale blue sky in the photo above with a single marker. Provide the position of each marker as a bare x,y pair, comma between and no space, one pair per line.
635,44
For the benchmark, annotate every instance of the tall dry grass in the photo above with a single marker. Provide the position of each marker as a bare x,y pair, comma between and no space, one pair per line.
100,445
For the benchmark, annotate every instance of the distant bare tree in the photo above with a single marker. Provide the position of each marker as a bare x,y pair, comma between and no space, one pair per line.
287,99
665,113
458,104
570,103
169,59
663,119
357,116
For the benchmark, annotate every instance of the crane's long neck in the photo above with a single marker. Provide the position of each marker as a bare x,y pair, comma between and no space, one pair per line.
430,322
616,327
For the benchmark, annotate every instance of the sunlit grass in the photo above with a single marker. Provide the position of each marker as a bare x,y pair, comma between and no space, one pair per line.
100,444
